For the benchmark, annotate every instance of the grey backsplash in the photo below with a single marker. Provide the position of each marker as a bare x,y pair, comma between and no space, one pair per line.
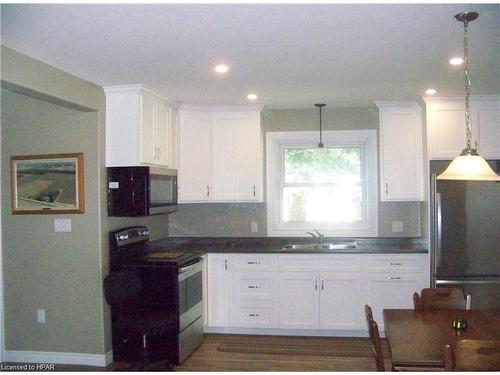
235,219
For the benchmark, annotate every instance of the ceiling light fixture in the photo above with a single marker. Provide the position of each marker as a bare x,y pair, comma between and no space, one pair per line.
221,68
456,61
252,96
320,105
468,165
430,91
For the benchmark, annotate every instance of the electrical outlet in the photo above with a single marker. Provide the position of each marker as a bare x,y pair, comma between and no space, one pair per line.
40,316
255,227
397,226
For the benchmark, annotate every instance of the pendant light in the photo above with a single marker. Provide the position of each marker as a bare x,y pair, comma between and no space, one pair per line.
468,165
320,144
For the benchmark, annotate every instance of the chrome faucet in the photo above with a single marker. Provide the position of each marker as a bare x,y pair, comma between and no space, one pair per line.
317,235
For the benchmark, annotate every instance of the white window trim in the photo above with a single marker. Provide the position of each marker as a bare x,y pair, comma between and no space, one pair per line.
275,141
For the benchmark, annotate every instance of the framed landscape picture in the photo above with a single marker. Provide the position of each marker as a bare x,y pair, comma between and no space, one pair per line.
47,184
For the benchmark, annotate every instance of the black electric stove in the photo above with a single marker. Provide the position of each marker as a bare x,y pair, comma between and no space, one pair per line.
132,246
171,283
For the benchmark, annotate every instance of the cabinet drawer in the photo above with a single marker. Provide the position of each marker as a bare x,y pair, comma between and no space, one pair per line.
254,286
320,262
391,263
261,316
254,262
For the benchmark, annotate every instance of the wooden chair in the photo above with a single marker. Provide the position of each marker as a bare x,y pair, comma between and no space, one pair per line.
440,298
375,339
473,355
377,347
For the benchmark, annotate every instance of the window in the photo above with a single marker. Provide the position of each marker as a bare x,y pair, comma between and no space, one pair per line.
332,189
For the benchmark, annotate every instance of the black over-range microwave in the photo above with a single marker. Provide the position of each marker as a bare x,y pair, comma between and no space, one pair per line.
141,191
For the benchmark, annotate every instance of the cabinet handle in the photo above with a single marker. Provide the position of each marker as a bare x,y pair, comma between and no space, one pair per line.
386,188
396,264
254,287
394,278
315,284
256,262
225,264
208,191
254,190
253,314
322,284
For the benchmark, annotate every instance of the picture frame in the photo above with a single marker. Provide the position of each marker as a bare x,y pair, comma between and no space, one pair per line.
47,184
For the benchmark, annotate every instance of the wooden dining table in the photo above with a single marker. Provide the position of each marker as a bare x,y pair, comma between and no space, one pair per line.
418,338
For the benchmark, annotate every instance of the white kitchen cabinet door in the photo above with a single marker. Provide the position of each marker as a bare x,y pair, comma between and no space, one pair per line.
392,291
162,133
298,300
445,129
236,156
219,291
137,127
486,114
446,126
195,156
340,301
401,156
148,120
174,139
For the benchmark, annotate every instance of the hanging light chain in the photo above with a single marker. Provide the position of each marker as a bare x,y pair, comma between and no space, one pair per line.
468,128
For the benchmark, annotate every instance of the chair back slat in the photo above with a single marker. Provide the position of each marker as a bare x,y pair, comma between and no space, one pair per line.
440,298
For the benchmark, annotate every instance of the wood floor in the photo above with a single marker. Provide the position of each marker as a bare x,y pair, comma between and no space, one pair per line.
208,358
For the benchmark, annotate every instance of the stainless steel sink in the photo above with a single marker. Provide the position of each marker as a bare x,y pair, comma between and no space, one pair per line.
324,246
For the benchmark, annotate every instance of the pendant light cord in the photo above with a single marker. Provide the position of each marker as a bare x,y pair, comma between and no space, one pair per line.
468,128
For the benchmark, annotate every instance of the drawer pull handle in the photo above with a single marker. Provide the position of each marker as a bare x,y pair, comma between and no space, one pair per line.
396,264
254,287
394,278
253,262
253,314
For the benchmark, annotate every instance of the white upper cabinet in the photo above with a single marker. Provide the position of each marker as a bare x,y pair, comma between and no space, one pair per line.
195,149
446,126
401,155
220,154
138,127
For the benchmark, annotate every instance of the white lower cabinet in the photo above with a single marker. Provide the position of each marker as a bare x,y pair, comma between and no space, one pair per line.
309,292
340,301
298,301
253,299
218,292
391,291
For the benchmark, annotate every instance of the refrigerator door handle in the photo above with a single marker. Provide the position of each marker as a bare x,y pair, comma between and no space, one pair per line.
467,282
438,230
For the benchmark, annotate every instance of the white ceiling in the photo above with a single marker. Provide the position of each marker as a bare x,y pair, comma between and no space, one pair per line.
292,56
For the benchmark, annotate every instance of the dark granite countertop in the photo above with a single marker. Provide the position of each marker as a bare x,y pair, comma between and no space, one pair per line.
275,245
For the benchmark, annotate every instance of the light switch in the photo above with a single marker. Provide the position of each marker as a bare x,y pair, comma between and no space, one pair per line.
255,227
397,226
62,225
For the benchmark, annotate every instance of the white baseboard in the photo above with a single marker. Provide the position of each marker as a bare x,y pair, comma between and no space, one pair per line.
22,356
286,332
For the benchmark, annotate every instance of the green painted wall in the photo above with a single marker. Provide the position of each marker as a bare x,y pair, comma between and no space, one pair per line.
44,111
229,219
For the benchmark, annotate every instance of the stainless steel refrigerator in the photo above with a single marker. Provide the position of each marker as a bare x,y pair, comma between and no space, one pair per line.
465,236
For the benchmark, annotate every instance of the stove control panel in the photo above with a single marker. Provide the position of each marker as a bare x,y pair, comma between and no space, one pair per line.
129,236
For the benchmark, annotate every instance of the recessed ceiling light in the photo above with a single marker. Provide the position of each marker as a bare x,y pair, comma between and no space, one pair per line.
456,61
430,91
221,68
252,96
